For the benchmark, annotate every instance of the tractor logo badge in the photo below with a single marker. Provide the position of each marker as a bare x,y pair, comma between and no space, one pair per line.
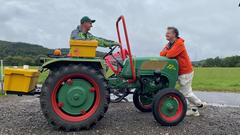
171,67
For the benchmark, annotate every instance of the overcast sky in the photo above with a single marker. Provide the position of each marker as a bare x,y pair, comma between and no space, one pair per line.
210,27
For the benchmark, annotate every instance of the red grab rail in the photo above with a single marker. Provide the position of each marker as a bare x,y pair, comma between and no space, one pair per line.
121,18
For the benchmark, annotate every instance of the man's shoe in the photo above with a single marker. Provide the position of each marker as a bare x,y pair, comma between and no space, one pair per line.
202,105
193,112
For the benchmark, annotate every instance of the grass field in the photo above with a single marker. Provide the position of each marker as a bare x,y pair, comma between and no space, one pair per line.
217,79
208,79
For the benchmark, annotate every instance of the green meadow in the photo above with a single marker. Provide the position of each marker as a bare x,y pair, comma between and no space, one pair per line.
207,79
217,79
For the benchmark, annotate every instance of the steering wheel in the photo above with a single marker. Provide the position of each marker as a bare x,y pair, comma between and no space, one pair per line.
111,53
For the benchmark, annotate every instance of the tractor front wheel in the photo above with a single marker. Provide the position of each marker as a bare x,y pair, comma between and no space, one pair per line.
74,97
169,107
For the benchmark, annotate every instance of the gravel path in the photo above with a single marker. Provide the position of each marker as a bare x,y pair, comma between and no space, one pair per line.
22,115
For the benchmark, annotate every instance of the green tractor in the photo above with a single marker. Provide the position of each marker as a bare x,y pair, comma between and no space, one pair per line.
77,90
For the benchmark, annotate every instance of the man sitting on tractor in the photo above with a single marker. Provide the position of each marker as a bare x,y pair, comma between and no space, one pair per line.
175,49
82,33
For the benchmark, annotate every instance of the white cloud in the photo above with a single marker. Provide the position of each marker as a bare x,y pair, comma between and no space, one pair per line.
210,28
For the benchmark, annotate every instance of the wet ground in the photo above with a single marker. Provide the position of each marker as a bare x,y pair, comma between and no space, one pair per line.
216,98
22,115
220,98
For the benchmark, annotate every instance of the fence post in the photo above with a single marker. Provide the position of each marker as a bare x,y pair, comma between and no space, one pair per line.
1,78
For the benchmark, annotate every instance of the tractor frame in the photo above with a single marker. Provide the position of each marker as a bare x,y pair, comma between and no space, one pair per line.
77,91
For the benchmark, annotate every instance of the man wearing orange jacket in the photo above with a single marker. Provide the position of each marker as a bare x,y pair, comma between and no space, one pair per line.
175,49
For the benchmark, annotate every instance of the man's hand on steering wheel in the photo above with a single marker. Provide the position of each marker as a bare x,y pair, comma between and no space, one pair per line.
112,48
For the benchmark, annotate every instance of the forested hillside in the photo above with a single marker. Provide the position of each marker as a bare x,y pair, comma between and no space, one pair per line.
18,53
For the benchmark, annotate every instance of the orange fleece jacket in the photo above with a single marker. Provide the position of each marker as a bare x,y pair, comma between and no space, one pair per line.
179,52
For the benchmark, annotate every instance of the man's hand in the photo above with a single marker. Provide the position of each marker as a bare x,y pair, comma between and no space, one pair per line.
114,44
164,51
165,48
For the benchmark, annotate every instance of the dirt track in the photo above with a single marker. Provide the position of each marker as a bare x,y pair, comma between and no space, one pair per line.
22,115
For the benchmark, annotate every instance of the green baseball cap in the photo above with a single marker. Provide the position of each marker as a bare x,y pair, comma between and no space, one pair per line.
86,19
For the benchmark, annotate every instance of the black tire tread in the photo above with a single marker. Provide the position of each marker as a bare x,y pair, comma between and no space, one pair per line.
155,105
137,103
52,117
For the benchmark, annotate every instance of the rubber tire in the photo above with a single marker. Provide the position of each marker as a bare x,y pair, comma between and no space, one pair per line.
137,104
155,106
48,86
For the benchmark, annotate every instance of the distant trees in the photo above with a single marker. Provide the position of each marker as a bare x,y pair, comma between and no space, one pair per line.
19,61
233,61
18,53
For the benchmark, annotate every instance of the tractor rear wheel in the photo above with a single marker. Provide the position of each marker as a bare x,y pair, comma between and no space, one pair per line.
169,107
141,102
74,97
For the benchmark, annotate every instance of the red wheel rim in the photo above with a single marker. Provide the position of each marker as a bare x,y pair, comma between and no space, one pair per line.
68,117
178,112
147,106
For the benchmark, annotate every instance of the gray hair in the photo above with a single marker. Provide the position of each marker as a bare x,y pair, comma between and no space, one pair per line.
175,31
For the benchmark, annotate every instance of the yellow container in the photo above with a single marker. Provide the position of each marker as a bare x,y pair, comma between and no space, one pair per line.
20,80
83,48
